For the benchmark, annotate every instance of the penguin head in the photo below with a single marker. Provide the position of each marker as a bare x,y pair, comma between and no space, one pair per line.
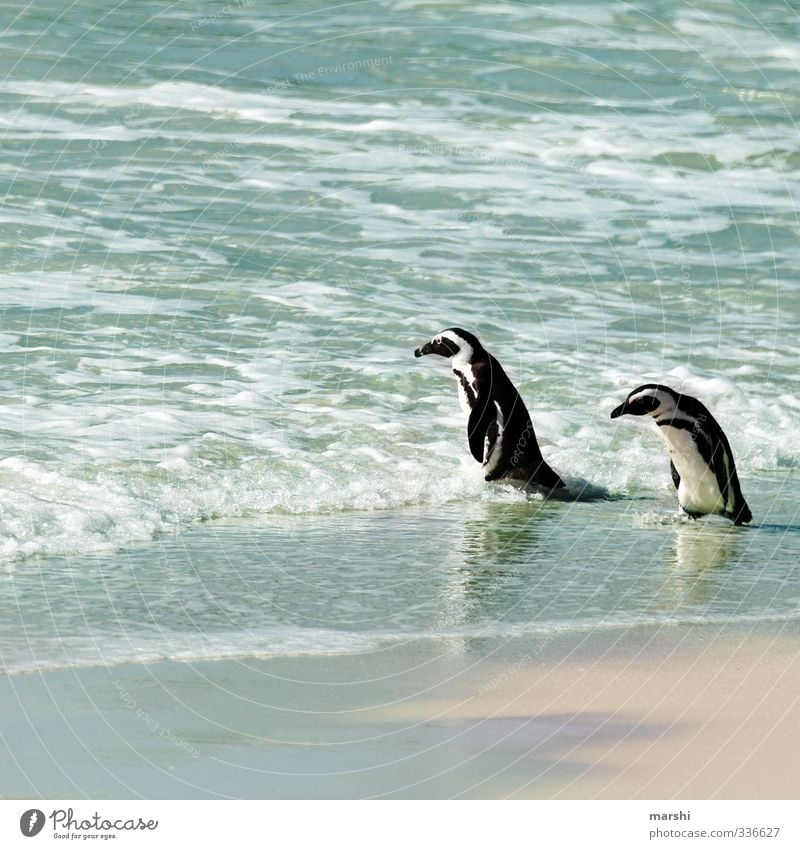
652,399
452,342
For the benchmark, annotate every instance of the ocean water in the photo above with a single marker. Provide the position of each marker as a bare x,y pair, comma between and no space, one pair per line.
227,227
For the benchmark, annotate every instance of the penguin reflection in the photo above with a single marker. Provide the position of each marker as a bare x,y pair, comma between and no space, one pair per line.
501,542
697,564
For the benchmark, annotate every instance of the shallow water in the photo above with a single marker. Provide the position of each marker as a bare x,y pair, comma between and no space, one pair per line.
457,575
227,229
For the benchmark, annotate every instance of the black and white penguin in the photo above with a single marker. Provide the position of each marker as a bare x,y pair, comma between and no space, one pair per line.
499,427
701,460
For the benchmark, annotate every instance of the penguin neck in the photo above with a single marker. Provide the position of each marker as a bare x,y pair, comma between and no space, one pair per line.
464,358
678,419
467,357
666,413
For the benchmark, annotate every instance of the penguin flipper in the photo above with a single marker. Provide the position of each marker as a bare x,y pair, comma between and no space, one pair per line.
676,478
480,418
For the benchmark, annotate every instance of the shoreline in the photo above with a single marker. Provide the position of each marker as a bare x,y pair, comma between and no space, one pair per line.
676,712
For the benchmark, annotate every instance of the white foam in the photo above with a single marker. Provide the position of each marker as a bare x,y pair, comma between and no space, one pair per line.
290,387
111,648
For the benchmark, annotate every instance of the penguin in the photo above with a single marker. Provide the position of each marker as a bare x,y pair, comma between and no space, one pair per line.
499,427
701,460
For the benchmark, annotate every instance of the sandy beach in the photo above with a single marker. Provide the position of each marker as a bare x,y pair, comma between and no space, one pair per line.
680,712
691,713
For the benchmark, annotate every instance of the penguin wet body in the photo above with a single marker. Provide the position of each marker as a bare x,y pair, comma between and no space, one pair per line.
499,427
701,460
698,489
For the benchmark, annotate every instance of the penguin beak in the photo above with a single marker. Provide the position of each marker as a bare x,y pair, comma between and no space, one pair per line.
619,411
425,349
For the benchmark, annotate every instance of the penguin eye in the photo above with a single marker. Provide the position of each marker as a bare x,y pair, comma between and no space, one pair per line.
648,404
644,404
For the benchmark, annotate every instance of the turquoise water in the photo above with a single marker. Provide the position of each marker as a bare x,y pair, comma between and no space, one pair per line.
226,228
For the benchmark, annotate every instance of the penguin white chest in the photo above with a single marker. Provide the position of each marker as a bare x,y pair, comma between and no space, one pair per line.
462,372
698,491
463,399
493,443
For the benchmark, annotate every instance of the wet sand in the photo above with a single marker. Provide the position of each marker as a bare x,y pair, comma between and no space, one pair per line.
684,712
